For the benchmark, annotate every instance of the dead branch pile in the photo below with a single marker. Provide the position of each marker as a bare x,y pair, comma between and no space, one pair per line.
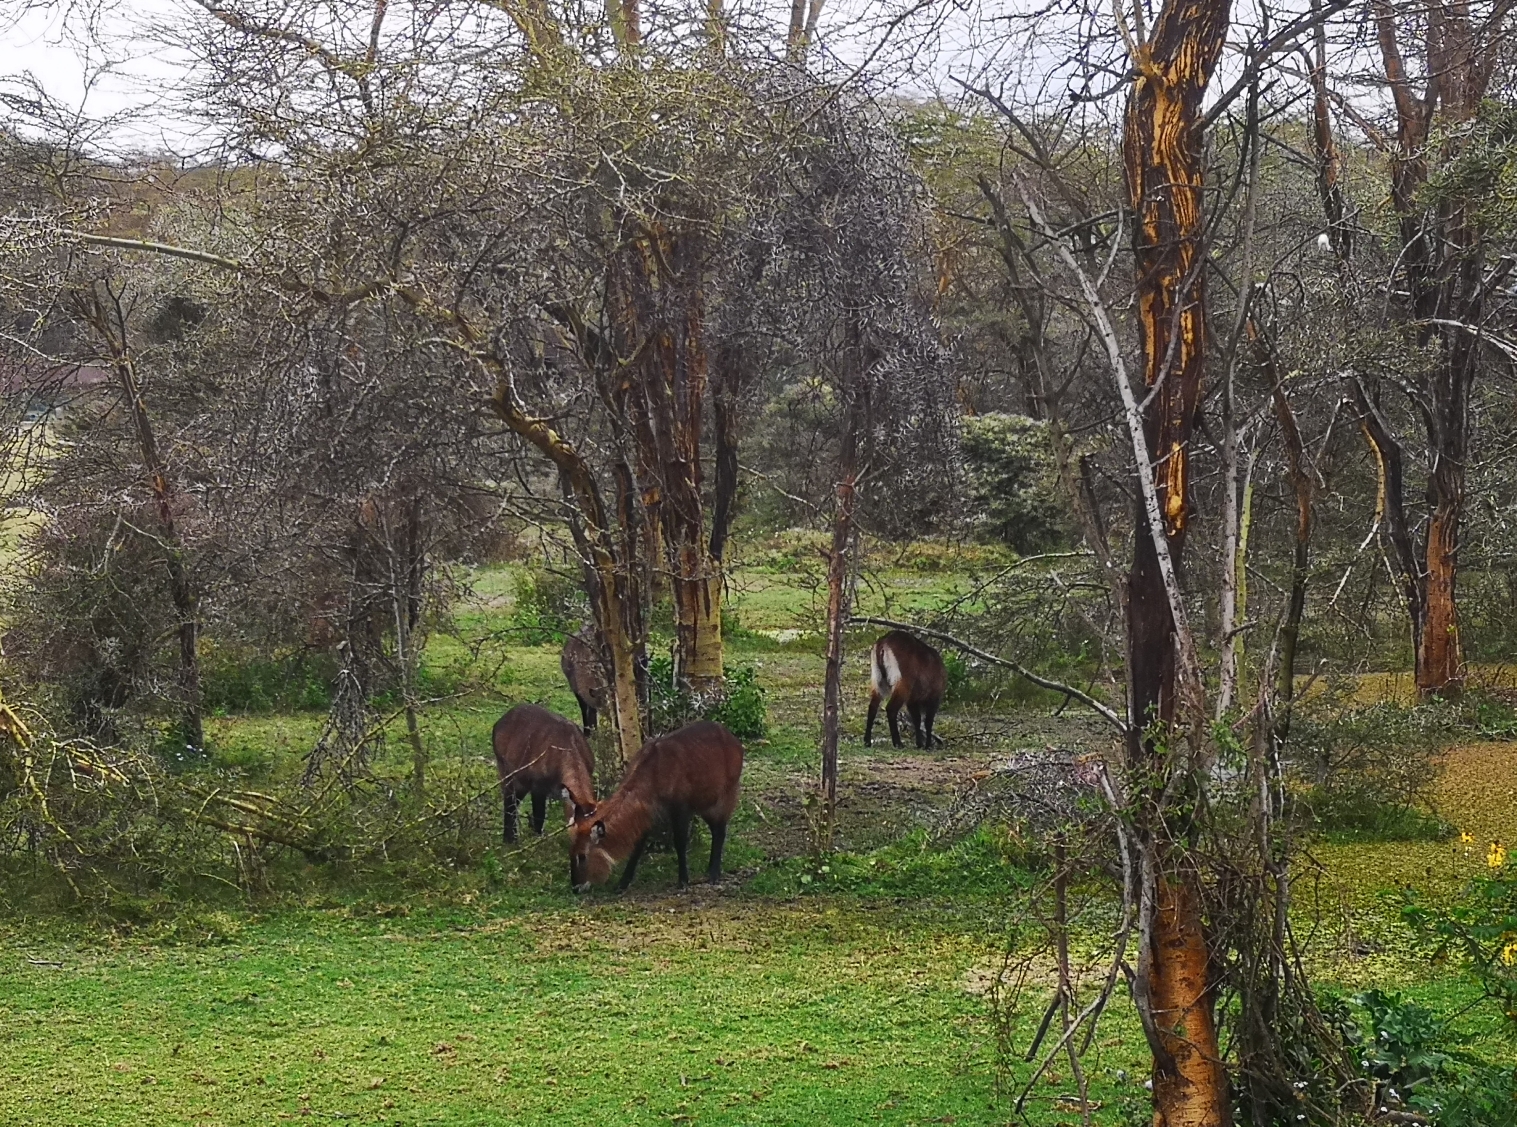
99,815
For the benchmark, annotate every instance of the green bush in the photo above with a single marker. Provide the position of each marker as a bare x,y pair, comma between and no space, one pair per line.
291,682
1476,1097
1479,930
1012,480
1356,817
1366,771
739,704
549,606
1397,1041
957,676
1410,1056
742,707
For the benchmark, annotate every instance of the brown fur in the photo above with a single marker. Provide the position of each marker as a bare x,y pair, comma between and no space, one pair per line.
587,679
919,689
692,773
541,754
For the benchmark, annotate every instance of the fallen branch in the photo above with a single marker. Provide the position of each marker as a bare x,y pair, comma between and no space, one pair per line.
1020,670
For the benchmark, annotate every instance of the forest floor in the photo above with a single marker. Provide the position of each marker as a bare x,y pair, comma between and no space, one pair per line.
803,990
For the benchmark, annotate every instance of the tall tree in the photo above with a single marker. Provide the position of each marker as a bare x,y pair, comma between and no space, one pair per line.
1163,155
1436,192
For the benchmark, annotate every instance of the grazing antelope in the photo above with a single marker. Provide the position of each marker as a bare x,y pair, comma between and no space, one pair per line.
905,670
691,773
538,752
586,676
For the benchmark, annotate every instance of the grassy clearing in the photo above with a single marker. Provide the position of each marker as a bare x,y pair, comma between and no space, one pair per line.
673,1009
836,991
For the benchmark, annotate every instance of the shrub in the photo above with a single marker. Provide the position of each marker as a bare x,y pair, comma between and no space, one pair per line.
1360,816
549,606
1397,1040
739,703
250,682
957,677
125,827
742,708
1365,771
1478,1097
91,617
1409,1054
1479,930
1011,477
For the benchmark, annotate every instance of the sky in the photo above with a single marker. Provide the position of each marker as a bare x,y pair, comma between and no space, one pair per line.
130,81
57,45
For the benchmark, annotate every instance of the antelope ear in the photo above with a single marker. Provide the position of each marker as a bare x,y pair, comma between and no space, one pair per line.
598,832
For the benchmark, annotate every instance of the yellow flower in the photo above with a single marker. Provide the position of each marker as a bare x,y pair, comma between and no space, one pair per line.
1467,838
1509,953
1495,856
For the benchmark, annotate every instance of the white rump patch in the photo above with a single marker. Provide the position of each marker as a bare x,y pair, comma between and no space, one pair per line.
885,673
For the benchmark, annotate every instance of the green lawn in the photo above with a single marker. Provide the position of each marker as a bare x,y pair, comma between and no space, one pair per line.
674,1009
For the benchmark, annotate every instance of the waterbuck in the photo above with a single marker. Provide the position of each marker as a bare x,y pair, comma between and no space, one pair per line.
586,676
691,773
538,752
905,670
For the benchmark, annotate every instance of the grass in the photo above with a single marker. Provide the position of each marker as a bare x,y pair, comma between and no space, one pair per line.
668,1010
849,989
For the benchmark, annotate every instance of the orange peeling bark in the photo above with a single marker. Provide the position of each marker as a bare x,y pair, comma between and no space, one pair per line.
1165,171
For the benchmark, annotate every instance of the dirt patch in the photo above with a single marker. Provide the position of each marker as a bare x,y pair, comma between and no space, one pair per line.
885,792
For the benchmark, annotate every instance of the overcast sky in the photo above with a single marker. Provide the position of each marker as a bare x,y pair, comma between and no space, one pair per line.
57,43
59,46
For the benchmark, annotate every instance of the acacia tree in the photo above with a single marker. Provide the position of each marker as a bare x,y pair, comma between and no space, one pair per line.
604,287
99,305
1198,799
631,172
1440,165
870,356
1162,148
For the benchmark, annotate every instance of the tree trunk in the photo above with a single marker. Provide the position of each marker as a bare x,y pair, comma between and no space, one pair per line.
611,584
637,580
596,544
182,594
624,673
698,602
1440,663
724,417
1303,483
837,615
405,601
1329,167
1164,165
1440,667
1190,1086
595,539
1443,251
661,320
